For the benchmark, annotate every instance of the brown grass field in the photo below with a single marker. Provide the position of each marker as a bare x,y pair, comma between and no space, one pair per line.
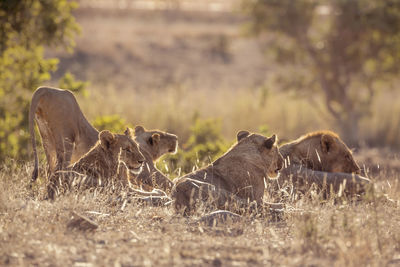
307,233
161,69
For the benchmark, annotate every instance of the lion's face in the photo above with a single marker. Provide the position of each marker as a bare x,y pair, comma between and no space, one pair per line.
263,148
333,156
123,149
157,143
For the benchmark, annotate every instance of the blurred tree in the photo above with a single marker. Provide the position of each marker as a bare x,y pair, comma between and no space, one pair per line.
69,82
344,49
112,123
25,28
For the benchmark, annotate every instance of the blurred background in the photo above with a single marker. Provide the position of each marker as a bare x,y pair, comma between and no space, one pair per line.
206,69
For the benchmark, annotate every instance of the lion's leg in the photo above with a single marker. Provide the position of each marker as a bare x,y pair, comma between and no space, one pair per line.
181,201
68,149
64,151
161,181
54,185
49,147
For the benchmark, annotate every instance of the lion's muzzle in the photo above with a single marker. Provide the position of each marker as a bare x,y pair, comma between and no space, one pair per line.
136,169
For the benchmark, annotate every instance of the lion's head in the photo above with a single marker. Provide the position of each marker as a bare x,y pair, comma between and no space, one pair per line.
321,151
122,149
263,149
156,142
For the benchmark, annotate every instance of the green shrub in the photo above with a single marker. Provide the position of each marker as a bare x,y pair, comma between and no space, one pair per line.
113,123
69,82
25,28
204,145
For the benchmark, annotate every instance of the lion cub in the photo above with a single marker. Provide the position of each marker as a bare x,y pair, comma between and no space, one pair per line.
236,177
101,165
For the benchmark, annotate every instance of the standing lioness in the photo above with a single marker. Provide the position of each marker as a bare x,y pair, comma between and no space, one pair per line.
238,174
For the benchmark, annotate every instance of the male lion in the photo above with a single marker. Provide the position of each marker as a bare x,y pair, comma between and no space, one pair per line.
67,135
101,165
321,158
237,175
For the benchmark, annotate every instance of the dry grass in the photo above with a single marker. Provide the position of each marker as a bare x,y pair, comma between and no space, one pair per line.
175,109
36,232
129,56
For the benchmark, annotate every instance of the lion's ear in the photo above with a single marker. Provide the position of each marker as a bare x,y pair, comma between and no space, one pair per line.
327,143
242,134
128,132
106,139
138,130
269,143
154,139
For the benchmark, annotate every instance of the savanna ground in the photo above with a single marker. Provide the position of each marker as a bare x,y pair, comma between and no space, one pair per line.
38,232
165,69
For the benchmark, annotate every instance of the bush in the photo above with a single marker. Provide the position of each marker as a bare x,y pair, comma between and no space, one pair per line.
113,123
69,82
25,28
204,145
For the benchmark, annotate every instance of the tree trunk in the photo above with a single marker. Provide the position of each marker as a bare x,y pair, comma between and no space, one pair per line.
349,128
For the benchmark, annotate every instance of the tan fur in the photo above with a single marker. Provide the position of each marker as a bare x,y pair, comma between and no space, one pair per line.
101,165
342,184
67,135
320,151
238,174
153,144
323,159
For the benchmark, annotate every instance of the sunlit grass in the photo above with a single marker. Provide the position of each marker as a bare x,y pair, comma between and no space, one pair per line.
176,108
36,232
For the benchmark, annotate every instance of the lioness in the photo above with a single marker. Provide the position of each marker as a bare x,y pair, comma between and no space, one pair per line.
238,174
321,158
153,144
101,165
67,135
320,151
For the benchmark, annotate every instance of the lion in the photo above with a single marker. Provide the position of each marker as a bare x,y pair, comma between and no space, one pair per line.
320,151
67,135
321,158
101,165
238,175
153,144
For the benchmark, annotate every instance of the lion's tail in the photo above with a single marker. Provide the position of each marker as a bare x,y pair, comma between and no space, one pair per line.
32,110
